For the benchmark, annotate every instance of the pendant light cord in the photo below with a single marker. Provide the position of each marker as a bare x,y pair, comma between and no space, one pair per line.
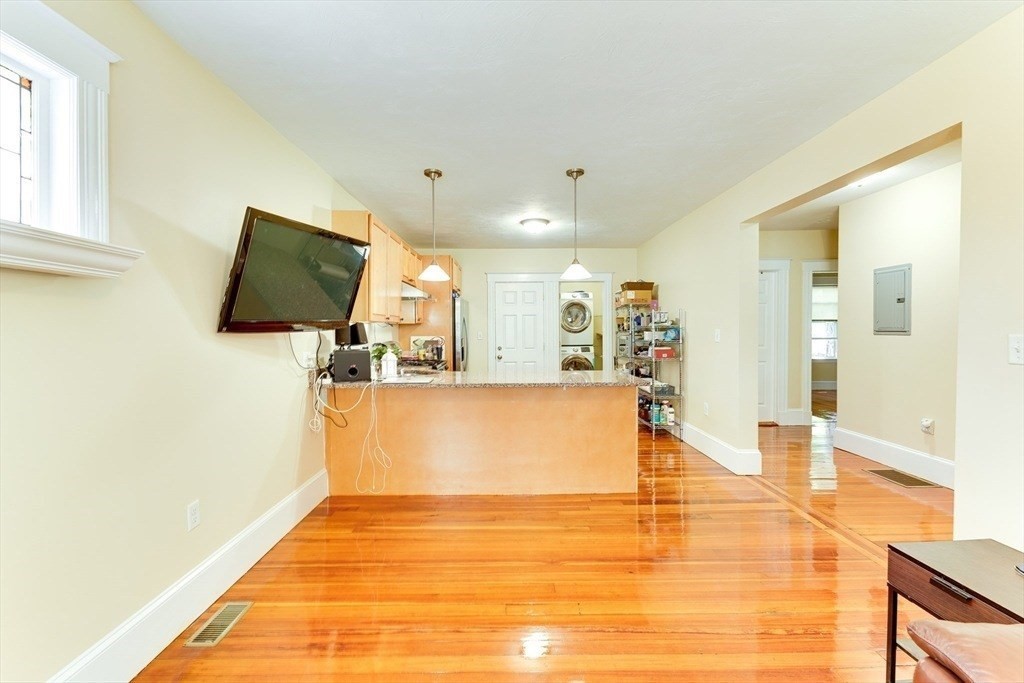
574,220
433,222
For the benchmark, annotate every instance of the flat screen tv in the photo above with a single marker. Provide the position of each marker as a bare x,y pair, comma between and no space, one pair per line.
290,276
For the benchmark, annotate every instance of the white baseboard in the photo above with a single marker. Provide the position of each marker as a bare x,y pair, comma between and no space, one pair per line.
924,465
736,460
126,650
787,418
824,385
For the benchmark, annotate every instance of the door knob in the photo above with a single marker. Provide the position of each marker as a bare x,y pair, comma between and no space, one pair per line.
499,356
499,348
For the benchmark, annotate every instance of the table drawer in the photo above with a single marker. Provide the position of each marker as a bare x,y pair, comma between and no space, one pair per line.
939,596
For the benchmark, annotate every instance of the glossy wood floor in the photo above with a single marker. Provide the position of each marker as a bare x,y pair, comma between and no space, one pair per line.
701,576
823,404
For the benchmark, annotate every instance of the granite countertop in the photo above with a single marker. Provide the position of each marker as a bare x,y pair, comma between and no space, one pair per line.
603,378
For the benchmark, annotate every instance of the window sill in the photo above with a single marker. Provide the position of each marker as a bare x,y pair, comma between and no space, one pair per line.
28,248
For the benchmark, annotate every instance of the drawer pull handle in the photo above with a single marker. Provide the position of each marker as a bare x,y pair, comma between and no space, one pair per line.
957,593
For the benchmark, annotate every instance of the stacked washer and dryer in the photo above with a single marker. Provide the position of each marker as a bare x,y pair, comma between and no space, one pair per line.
577,331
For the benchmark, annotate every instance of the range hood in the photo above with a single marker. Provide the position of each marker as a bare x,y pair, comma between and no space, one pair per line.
410,293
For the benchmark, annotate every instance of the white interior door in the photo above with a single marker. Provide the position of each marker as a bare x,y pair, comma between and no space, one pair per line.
766,338
518,346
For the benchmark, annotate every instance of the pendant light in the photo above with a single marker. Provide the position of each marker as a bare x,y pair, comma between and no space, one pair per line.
575,271
433,272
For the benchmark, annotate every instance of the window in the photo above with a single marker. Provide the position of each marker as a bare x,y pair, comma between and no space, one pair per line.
53,146
825,316
17,157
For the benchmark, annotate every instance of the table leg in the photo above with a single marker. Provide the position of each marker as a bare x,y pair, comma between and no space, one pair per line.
890,638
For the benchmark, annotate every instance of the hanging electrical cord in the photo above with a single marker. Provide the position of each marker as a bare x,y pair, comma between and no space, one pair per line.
373,451
316,355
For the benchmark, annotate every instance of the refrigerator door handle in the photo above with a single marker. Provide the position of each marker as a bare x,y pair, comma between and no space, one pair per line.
465,344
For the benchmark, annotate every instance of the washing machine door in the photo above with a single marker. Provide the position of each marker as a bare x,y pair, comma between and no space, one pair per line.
577,363
576,316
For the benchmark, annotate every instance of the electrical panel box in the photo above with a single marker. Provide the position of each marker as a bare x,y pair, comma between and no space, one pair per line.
892,300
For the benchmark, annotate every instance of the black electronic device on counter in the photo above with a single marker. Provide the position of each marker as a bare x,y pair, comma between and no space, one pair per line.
351,365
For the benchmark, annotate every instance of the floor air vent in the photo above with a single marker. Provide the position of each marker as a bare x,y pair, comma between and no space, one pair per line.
903,479
219,624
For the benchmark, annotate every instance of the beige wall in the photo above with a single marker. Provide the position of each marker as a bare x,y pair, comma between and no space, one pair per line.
707,263
823,371
119,403
477,263
889,382
797,246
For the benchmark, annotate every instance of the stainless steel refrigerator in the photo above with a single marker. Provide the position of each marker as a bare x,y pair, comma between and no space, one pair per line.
460,334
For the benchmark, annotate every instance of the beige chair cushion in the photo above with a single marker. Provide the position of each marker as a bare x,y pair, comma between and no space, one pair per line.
930,671
977,653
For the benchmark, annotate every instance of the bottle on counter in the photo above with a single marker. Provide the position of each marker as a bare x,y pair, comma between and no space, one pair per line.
389,365
656,414
669,412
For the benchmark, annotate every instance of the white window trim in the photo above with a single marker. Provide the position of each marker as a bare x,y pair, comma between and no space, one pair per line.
79,247
28,248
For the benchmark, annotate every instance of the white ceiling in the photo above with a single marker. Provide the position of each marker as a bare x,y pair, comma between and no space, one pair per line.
664,104
823,213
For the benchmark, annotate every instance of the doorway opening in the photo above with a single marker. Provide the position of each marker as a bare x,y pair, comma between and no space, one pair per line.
821,339
806,232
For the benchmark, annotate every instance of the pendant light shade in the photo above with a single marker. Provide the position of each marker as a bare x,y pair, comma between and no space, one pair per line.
433,272
575,271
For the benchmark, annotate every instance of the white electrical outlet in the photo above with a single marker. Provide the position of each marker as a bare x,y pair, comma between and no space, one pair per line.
308,359
927,425
1016,349
707,408
718,335
192,515
479,336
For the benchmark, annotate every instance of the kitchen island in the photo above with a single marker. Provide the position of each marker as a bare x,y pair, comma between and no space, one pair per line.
476,433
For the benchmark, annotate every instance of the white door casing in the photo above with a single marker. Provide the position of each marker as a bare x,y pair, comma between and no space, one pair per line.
766,323
773,343
519,348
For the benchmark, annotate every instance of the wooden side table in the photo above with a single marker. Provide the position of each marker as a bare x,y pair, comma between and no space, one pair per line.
968,581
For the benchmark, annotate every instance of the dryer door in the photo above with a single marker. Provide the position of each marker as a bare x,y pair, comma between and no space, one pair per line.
577,363
576,316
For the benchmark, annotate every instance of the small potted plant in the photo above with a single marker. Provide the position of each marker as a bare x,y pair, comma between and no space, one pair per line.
377,352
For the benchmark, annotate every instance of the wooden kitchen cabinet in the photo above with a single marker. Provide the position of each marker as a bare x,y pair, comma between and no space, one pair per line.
411,266
380,292
393,289
456,275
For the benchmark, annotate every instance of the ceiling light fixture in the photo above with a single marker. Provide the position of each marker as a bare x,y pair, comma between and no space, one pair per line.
575,271
867,179
534,226
433,272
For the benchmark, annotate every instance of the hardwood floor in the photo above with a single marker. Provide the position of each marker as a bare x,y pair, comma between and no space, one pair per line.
701,576
823,404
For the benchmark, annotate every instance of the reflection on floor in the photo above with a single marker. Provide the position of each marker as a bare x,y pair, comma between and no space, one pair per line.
700,576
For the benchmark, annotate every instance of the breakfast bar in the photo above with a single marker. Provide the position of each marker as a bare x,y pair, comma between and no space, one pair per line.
455,433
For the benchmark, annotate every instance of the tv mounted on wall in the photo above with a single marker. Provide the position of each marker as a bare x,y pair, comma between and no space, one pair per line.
289,276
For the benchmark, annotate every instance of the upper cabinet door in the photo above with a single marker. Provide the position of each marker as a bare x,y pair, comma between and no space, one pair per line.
378,266
410,265
456,275
396,260
356,224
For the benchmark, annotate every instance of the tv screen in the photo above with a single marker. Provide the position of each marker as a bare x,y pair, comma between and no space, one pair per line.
291,276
